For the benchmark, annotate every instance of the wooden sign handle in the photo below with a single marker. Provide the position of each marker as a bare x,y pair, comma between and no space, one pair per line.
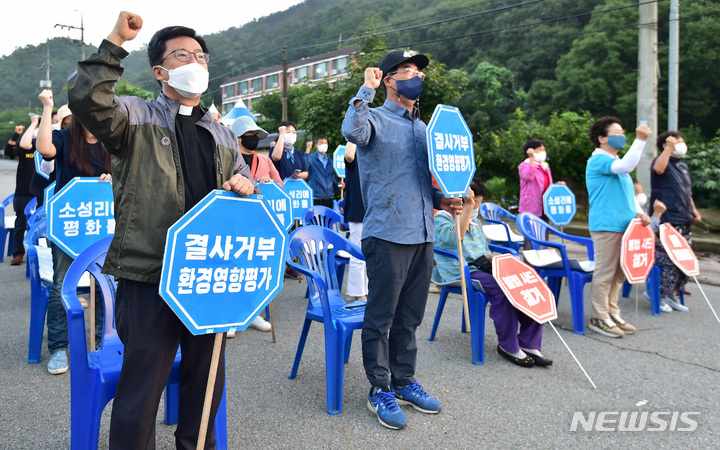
209,391
463,281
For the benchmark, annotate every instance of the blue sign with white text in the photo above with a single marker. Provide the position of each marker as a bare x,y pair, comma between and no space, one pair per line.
339,161
279,201
82,213
301,195
223,263
450,151
559,204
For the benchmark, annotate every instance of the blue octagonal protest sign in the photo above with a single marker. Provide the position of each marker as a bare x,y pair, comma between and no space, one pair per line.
223,262
339,161
559,204
450,151
80,214
301,194
38,160
279,201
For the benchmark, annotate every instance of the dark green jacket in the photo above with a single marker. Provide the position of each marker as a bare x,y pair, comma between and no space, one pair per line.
147,177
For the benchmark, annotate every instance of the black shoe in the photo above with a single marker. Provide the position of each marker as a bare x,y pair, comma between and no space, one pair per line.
527,362
540,361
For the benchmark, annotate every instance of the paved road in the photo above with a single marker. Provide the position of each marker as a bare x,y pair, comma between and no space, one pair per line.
670,366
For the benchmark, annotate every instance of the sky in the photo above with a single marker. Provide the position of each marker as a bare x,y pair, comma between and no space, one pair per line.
36,22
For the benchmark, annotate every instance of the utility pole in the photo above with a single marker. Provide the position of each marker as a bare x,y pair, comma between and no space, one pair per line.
284,85
647,86
82,32
47,83
674,65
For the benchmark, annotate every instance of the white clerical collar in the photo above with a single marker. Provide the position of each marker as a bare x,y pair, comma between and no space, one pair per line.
185,110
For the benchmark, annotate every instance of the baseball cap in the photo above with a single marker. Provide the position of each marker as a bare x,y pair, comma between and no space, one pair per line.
397,57
243,124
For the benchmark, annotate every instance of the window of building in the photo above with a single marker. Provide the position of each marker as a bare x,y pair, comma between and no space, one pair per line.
243,87
272,81
256,85
300,74
340,65
230,90
321,70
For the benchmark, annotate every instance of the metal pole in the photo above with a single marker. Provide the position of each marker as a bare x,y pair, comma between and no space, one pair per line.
674,65
647,86
82,34
284,85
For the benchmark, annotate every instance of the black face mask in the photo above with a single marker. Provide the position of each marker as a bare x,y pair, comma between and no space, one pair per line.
250,142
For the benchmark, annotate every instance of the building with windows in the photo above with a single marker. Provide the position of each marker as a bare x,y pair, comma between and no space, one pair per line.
328,67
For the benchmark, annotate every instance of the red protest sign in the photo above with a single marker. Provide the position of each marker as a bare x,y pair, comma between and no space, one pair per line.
524,288
638,251
679,250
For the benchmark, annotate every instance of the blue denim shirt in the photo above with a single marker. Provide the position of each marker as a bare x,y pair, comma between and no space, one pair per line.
394,172
322,176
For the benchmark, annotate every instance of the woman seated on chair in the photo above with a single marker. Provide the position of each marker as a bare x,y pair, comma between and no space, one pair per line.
521,348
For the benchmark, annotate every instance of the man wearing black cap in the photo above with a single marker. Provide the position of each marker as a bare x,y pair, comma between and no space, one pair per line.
398,230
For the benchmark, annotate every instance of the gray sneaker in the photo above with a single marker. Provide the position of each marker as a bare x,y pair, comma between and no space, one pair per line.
58,363
675,304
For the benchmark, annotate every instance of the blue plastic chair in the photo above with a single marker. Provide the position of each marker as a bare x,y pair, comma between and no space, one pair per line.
316,249
325,217
534,228
94,375
477,302
328,218
7,228
493,214
29,213
39,289
29,210
340,206
653,287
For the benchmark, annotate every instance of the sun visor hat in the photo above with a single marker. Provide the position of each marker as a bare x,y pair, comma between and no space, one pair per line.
243,124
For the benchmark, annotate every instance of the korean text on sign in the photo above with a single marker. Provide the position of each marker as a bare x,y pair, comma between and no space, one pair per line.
212,249
88,218
531,294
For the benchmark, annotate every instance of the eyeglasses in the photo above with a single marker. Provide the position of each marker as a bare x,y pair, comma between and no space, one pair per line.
184,56
410,71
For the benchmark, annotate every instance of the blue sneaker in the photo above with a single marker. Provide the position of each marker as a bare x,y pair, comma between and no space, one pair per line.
415,396
58,363
383,404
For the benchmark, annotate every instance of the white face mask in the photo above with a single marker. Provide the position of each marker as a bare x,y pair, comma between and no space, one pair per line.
540,156
680,149
322,148
641,198
56,126
190,80
475,213
290,139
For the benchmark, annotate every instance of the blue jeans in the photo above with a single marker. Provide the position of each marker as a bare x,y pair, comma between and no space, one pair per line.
57,323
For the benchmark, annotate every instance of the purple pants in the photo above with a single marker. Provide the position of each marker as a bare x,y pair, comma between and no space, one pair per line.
506,318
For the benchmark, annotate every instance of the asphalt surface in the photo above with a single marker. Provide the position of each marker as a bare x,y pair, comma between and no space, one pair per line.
670,366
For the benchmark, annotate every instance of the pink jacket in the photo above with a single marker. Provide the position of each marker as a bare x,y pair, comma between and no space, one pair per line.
532,186
262,166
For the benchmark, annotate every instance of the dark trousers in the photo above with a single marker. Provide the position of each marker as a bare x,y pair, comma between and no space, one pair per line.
151,333
327,202
398,282
19,204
